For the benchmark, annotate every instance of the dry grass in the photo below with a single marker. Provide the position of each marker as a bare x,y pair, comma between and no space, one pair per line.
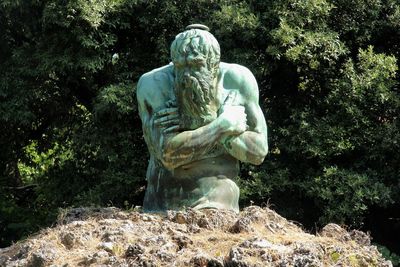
157,235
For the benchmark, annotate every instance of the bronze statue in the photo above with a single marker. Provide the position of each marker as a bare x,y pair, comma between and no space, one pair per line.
200,118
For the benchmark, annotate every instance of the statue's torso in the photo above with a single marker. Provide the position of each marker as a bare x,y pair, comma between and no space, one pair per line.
172,189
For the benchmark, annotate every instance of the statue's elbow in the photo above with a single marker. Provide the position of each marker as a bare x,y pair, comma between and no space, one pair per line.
260,156
257,160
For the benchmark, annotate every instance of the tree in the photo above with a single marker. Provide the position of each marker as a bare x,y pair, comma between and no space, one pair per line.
70,133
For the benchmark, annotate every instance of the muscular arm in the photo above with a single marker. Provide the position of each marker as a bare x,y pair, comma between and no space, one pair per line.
252,145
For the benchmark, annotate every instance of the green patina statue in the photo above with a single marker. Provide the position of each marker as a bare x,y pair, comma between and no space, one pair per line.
200,118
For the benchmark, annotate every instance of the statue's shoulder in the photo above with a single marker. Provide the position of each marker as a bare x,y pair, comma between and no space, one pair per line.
239,77
157,80
235,72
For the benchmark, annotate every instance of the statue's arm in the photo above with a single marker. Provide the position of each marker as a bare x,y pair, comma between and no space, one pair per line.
163,137
145,91
188,146
252,145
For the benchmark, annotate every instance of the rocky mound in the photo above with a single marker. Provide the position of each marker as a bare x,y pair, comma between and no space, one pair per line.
255,237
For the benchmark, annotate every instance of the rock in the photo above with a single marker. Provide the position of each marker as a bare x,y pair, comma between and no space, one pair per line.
177,217
42,258
111,236
108,222
256,243
68,240
241,225
167,252
335,231
255,237
3,260
112,260
127,226
203,223
306,260
107,246
182,241
95,258
22,252
18,263
255,214
235,258
155,240
201,260
134,250
361,238
194,229
121,215
148,218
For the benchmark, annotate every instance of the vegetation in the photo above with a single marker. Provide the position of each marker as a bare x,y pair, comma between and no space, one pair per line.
328,76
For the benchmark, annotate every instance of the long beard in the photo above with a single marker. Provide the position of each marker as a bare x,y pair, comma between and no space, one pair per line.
195,98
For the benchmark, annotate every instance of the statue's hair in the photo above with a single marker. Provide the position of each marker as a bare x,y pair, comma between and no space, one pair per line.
198,42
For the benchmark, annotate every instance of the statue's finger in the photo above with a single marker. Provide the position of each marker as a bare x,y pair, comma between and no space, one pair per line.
166,111
170,122
172,129
166,118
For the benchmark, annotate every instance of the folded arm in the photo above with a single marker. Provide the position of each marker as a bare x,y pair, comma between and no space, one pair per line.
252,145
165,140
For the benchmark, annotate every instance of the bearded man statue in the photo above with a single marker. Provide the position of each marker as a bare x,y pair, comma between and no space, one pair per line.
200,117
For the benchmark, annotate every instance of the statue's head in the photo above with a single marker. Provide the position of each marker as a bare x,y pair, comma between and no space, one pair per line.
196,43
196,54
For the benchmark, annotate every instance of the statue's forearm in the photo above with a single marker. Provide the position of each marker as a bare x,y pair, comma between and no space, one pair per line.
248,147
189,146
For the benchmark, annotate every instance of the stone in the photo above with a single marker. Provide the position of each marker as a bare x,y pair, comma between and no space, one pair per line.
18,263
235,257
134,250
3,260
335,231
182,241
360,238
42,258
202,259
68,240
180,218
95,258
22,252
241,225
111,235
200,118
163,242
107,246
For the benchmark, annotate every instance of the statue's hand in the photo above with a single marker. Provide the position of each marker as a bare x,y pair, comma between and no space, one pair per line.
232,117
167,119
233,120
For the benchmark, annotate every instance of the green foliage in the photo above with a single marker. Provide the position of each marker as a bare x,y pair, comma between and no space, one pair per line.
70,132
332,114
387,254
347,194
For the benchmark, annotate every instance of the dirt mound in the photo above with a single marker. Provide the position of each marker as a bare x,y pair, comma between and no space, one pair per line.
255,237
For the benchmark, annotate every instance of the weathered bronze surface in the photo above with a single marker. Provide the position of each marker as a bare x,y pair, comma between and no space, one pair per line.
200,118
